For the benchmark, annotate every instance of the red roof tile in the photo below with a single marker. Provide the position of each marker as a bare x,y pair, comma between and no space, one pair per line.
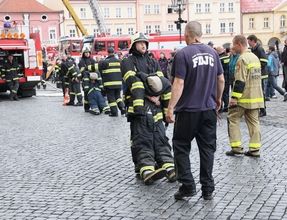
23,6
249,6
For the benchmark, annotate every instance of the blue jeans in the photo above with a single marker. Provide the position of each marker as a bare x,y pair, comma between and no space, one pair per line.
273,82
96,100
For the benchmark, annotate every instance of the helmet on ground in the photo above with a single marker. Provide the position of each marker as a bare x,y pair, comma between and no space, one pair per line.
139,37
93,75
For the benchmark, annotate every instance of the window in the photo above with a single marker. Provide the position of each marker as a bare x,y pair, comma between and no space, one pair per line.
148,29
266,23
96,31
130,31
119,31
83,13
221,7
100,46
230,6
123,45
170,27
118,13
147,9
251,23
222,27
198,8
157,28
110,44
231,27
52,34
207,29
72,33
282,21
108,30
207,7
130,12
156,9
106,12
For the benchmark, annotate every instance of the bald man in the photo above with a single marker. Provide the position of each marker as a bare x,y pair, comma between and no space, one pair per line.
196,96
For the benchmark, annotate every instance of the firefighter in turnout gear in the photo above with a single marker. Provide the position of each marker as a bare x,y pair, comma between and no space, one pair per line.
260,53
112,81
146,98
87,63
72,80
10,73
247,99
224,59
92,84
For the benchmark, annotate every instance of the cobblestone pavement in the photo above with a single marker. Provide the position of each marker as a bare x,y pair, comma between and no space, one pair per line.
57,162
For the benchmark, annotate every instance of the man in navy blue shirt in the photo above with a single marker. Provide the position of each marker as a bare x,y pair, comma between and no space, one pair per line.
196,96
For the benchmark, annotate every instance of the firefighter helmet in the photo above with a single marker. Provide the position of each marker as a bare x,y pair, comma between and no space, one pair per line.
139,37
93,75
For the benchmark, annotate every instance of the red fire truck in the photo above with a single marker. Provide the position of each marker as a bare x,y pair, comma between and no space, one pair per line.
71,46
27,51
157,44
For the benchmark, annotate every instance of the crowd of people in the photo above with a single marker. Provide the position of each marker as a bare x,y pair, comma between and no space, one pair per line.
189,89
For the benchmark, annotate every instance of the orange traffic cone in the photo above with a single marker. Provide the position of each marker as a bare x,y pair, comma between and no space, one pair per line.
66,97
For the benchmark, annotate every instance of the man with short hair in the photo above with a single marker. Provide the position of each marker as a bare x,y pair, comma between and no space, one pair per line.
196,95
246,100
284,62
258,50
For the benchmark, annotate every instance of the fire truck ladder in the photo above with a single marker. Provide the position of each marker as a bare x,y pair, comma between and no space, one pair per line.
97,13
75,17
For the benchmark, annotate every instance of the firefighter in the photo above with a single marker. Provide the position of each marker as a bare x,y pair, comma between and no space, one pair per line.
92,84
260,53
72,80
11,75
224,59
87,63
112,81
247,99
151,152
59,77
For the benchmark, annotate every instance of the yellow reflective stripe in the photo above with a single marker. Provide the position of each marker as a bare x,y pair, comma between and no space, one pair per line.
82,69
226,61
115,70
86,102
86,79
114,83
71,67
72,93
263,60
16,78
254,145
165,110
128,74
167,165
111,104
145,168
106,108
158,117
138,102
100,78
119,100
253,65
256,100
236,94
235,144
114,64
14,91
166,96
131,109
264,76
159,73
137,85
78,94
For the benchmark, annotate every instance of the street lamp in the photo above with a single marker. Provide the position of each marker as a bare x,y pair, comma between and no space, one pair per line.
178,6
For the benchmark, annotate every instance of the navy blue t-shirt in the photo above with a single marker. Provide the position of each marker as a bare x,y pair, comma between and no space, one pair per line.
198,65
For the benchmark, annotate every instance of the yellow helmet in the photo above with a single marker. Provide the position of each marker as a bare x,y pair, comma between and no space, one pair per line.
137,38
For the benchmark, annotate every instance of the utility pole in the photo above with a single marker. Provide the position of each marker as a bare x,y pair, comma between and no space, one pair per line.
178,6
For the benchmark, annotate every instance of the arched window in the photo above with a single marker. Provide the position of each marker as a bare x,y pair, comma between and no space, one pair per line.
282,21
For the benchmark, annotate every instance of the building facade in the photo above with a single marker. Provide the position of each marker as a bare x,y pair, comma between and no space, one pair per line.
34,16
266,19
220,19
